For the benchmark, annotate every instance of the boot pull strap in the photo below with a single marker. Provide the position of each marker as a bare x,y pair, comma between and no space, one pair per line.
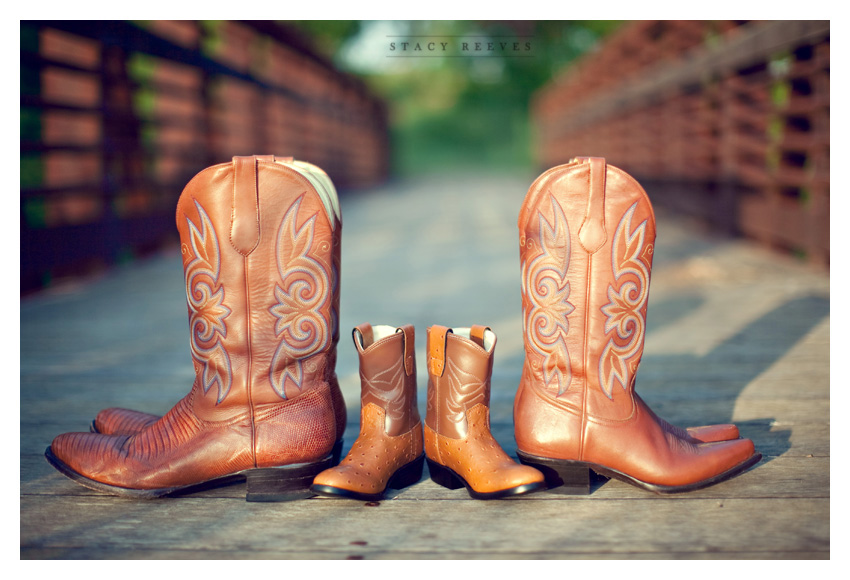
363,336
437,337
245,208
409,356
592,233
476,333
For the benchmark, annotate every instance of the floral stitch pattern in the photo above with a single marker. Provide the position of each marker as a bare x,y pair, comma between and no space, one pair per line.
302,293
625,311
546,293
207,311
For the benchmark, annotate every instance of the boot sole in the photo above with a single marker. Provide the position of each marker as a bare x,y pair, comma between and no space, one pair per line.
442,475
403,477
266,484
575,477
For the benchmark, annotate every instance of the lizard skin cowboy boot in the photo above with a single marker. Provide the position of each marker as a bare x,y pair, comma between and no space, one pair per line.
389,451
460,448
260,242
587,233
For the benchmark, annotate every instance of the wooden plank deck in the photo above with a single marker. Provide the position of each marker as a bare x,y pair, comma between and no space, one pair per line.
735,334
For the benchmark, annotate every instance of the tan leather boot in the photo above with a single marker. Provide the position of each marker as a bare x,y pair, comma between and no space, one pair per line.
460,449
587,234
260,241
389,451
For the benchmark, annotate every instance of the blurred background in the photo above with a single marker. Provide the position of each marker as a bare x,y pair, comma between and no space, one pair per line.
723,121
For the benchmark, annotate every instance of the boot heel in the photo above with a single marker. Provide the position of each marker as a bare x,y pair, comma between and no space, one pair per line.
408,475
562,477
286,483
442,476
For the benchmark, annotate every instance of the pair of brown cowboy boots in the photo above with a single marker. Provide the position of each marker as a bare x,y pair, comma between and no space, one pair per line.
260,243
457,442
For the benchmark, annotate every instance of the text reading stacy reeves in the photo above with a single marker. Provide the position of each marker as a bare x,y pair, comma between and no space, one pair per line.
466,47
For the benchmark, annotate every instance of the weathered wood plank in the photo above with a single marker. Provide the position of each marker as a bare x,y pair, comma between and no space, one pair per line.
426,527
355,553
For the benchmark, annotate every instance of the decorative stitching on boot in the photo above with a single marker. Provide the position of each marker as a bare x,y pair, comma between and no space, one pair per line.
302,293
207,311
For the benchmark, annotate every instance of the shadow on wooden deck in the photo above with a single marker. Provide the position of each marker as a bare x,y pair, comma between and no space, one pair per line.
735,333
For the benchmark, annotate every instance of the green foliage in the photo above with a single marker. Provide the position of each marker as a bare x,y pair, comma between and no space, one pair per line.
32,170
30,123
775,129
144,102
211,37
34,211
327,35
457,108
141,67
780,93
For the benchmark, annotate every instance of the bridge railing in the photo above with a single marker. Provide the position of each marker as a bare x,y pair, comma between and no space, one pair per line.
117,116
727,121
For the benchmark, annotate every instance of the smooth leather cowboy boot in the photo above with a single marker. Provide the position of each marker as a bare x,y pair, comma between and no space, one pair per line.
260,242
388,453
587,233
460,448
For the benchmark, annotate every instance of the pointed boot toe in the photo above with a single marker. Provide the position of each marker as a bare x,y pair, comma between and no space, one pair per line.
92,460
712,463
731,456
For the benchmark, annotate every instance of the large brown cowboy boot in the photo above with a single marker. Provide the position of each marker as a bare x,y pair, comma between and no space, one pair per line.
460,448
260,241
119,421
389,451
587,233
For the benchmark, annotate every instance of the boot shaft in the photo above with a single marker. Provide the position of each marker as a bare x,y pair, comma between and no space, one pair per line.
460,363
388,374
260,243
587,233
